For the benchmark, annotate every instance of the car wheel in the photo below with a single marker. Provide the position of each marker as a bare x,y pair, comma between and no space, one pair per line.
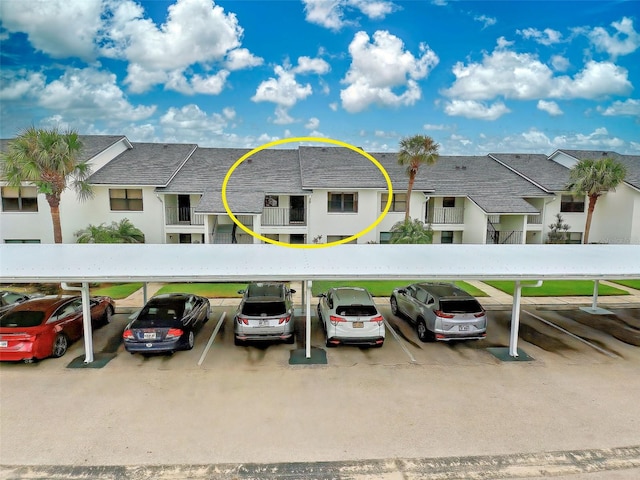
191,340
329,344
394,305
291,340
423,332
238,342
108,316
60,345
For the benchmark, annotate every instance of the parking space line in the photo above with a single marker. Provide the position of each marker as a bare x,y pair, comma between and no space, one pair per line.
399,340
212,338
601,350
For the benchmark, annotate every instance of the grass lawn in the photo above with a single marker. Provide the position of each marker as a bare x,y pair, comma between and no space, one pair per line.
116,290
558,288
383,288
209,290
629,283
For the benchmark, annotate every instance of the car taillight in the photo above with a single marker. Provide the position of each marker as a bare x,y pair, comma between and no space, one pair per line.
173,333
335,319
479,314
441,314
284,319
127,335
379,319
244,320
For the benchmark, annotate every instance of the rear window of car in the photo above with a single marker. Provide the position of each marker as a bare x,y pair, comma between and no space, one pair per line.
356,310
265,290
257,309
22,319
469,305
159,316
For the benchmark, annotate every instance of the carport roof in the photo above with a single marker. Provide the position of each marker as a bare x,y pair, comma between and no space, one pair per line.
185,262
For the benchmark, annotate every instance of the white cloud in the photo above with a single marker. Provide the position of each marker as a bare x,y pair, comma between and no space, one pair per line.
382,66
546,37
90,93
560,63
59,28
330,13
191,118
523,76
429,126
551,108
311,65
630,107
16,85
209,85
487,21
476,110
241,58
624,41
312,124
334,106
196,32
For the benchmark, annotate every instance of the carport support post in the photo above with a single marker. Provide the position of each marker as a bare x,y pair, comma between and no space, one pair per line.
86,322
594,305
307,340
515,320
144,293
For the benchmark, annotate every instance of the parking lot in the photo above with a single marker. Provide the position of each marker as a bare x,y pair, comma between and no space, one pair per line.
407,400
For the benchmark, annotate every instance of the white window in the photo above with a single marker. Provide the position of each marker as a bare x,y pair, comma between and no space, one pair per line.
19,199
398,202
342,202
125,199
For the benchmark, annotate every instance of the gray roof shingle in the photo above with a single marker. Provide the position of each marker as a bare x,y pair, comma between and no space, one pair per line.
538,168
631,162
150,164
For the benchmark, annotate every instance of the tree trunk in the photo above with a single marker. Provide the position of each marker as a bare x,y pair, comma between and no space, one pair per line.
592,205
412,177
57,228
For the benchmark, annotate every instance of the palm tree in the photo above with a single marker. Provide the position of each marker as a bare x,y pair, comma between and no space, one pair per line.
594,178
125,232
411,231
50,160
416,151
118,232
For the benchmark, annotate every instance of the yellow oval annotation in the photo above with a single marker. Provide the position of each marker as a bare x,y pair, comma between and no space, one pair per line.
306,139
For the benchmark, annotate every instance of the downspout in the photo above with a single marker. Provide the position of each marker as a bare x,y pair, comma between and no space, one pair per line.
86,318
515,316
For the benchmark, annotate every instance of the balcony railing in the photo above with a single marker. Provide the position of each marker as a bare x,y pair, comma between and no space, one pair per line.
445,215
534,219
183,216
281,216
226,238
504,236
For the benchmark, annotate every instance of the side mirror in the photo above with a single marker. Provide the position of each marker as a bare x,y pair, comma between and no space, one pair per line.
241,292
322,295
402,291
292,291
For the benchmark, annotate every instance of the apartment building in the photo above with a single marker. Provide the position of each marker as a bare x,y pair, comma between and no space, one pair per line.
173,193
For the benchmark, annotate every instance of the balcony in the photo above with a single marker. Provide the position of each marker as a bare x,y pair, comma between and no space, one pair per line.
445,215
183,216
534,219
512,237
283,216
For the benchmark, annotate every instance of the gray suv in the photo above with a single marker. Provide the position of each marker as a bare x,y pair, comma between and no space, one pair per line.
440,311
265,313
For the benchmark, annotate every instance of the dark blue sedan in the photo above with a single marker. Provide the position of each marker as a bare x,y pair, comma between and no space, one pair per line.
167,323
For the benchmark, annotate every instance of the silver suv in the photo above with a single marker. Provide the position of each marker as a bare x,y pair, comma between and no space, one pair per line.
265,313
440,311
349,316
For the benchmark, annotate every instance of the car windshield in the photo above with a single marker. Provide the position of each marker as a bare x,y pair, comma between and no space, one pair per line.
22,319
356,310
264,290
263,308
469,305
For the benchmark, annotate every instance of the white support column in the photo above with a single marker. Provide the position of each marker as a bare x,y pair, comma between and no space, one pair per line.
144,293
594,308
86,318
594,304
515,320
308,329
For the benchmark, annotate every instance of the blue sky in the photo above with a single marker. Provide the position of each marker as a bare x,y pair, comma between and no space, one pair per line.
478,77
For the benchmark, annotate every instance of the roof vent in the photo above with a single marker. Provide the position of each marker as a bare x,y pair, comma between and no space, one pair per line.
517,156
457,167
464,167
604,154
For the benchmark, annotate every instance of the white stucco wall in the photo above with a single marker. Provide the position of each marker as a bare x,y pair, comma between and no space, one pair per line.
475,224
613,217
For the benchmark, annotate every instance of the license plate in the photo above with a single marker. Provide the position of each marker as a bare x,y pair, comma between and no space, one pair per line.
263,323
4,344
149,335
358,324
464,328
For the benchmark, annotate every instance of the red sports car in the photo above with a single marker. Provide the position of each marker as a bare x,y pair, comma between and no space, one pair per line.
46,326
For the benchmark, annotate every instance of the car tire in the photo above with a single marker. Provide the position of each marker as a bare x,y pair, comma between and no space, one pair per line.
191,340
237,342
394,306
291,340
60,345
423,332
329,344
108,315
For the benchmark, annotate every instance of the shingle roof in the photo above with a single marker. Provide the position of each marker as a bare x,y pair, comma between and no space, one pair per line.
631,162
270,171
144,164
92,145
538,168
239,201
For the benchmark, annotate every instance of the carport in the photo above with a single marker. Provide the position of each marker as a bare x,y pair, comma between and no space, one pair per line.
93,263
